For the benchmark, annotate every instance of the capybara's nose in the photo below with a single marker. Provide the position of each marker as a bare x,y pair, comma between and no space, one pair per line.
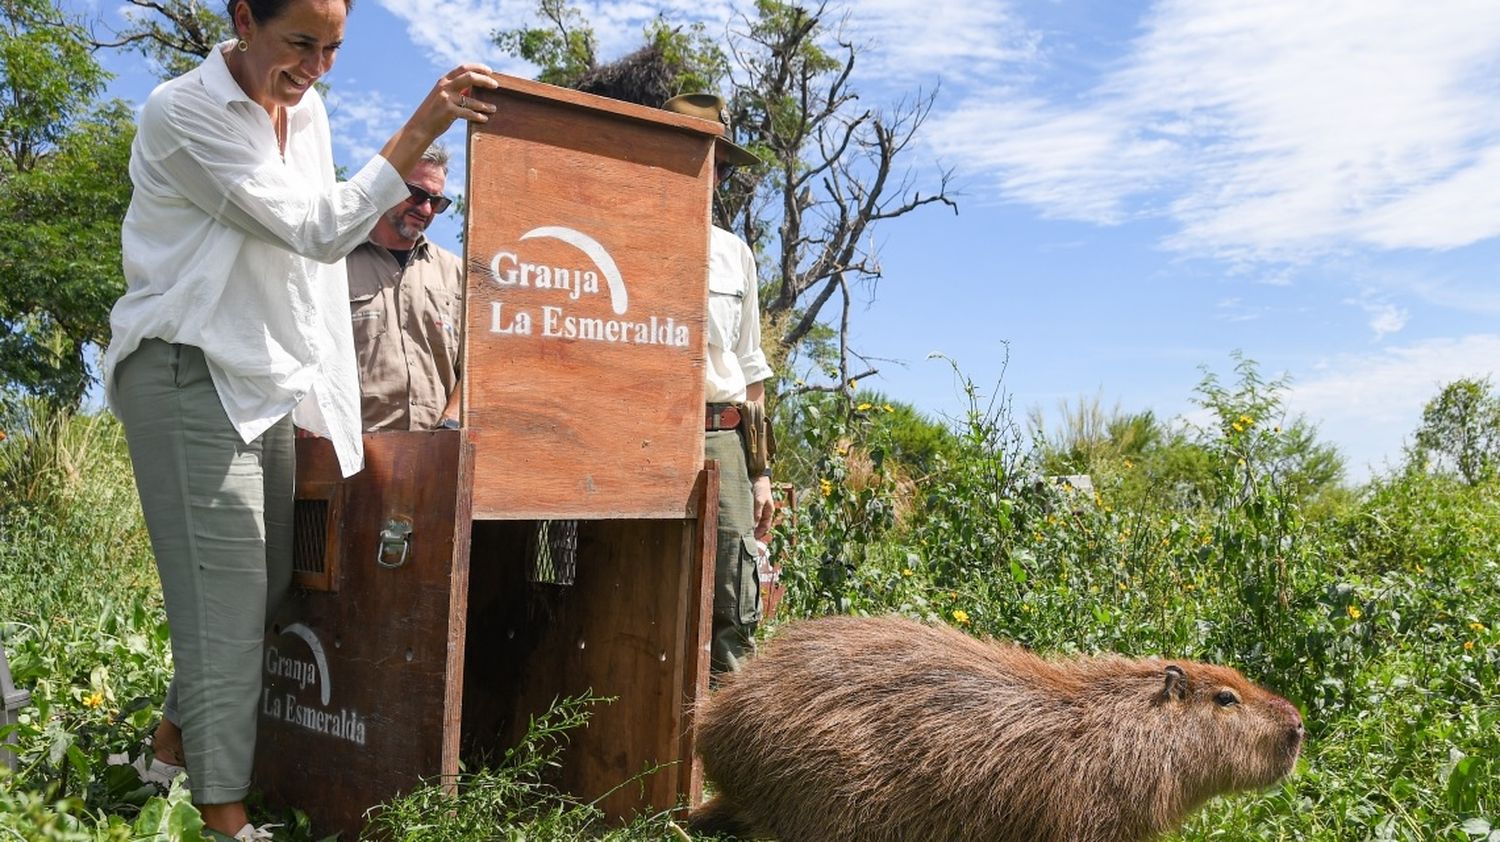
1291,711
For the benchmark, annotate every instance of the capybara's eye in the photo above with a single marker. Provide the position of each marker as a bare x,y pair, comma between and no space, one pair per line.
1226,698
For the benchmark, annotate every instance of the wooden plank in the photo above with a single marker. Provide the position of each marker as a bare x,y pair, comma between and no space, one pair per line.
458,614
517,86
361,696
587,256
698,612
625,629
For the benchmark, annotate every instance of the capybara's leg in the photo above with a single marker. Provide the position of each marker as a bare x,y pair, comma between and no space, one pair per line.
719,816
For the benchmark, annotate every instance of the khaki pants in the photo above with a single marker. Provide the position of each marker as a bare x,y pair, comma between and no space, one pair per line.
220,516
736,583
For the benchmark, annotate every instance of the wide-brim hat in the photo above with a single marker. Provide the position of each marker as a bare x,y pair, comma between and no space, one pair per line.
711,107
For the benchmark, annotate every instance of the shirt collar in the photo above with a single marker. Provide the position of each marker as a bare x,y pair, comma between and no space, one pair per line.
217,79
418,246
219,82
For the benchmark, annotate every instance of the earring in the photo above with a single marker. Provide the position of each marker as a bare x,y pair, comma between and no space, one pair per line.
242,45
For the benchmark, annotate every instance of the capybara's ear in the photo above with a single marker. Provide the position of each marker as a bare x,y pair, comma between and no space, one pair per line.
1176,683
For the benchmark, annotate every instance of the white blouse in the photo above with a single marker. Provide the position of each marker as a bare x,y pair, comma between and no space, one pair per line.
230,248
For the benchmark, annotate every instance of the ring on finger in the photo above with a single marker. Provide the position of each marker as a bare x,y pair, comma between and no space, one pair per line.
463,102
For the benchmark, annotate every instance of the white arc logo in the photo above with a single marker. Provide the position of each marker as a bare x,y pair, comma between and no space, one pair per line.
618,299
319,658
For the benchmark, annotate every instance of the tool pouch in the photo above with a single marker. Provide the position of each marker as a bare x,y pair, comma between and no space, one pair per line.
760,446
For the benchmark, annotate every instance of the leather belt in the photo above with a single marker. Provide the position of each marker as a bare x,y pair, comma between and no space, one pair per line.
722,416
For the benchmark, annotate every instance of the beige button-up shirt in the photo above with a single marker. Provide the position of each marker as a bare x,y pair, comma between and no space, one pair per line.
408,333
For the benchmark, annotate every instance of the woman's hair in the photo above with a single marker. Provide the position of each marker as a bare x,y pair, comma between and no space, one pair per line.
264,10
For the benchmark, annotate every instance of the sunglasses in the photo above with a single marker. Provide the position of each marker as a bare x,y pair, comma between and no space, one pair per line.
439,202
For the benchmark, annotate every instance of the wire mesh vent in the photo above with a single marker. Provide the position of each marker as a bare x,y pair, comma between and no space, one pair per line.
310,537
553,551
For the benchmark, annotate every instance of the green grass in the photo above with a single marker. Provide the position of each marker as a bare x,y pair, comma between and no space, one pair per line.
1375,609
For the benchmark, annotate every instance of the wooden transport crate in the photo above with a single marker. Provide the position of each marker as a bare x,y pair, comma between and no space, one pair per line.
415,637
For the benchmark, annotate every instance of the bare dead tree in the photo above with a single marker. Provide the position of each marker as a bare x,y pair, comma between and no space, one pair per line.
834,170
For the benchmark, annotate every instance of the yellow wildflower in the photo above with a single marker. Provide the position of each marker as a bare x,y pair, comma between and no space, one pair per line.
1355,613
865,407
825,486
961,617
93,700
1477,626
906,571
887,407
1468,645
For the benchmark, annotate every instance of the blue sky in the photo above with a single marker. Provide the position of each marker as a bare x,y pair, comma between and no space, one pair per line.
1146,188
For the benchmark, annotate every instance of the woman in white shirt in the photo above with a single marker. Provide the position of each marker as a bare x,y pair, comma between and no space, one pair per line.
234,323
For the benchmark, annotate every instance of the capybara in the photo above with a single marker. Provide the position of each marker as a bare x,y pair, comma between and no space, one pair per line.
878,729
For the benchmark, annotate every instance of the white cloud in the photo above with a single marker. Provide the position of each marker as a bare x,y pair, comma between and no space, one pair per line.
1385,317
1237,310
908,38
1277,130
1371,403
361,123
954,39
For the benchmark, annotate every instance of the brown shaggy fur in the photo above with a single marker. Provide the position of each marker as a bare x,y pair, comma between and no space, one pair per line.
644,77
887,730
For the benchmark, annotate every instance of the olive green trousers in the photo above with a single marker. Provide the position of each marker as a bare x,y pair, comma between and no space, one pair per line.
219,512
736,583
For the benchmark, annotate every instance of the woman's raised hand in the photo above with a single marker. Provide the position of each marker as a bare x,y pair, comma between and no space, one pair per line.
452,98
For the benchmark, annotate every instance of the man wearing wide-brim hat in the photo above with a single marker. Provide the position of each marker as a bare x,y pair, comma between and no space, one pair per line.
737,428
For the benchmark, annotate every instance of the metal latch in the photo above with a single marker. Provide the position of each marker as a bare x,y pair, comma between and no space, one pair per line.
395,543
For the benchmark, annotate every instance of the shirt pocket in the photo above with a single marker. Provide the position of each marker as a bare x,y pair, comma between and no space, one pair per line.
367,314
726,302
447,314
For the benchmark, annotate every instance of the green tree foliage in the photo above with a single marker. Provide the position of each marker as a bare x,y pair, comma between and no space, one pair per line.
63,191
1248,438
563,46
174,35
1460,431
1088,436
48,81
1256,440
